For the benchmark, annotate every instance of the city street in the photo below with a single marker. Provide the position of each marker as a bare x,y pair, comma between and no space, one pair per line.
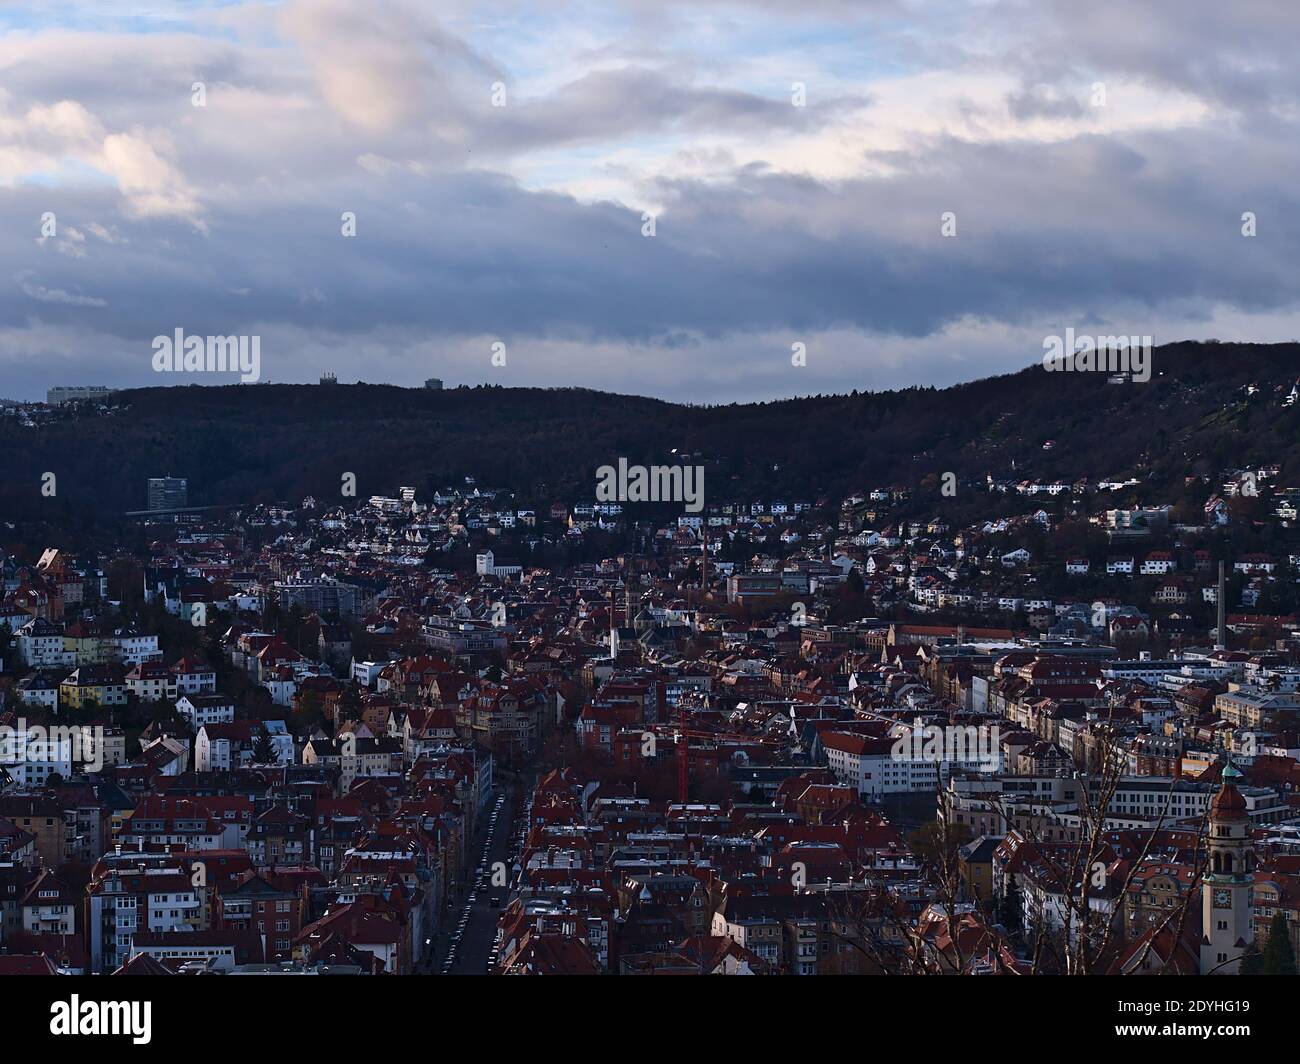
473,918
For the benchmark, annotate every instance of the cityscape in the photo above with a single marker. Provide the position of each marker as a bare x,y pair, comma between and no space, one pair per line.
461,728
725,488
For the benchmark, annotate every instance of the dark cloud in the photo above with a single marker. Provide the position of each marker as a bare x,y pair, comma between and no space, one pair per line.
226,219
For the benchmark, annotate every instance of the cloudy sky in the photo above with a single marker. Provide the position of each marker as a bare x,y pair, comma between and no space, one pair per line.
500,160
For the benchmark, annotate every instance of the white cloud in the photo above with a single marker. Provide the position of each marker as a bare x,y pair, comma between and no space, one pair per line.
524,221
58,295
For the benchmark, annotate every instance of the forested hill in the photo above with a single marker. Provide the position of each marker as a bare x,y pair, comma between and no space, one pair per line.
1206,407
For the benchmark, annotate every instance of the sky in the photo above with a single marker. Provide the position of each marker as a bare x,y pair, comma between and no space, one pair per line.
702,201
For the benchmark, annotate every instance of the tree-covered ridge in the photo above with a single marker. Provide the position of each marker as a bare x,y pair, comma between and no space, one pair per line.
1207,407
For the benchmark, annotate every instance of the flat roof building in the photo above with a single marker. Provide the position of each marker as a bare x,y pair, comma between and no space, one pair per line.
62,394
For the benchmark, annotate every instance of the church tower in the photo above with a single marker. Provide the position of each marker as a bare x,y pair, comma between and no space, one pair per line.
1225,886
630,594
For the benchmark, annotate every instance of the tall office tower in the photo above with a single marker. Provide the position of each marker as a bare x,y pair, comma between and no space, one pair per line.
168,493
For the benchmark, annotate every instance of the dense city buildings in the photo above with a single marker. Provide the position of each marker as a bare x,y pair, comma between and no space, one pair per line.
458,733
642,489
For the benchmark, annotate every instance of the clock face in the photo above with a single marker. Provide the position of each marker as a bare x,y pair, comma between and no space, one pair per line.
1222,899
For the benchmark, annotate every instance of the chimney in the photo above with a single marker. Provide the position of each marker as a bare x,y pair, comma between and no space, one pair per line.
1221,633
704,561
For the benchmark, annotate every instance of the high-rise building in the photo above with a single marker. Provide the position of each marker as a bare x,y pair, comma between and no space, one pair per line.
434,384
168,493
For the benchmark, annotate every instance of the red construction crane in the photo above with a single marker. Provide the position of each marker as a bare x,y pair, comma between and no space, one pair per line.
684,737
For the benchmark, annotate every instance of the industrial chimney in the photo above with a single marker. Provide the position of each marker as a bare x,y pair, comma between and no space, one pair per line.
1221,632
